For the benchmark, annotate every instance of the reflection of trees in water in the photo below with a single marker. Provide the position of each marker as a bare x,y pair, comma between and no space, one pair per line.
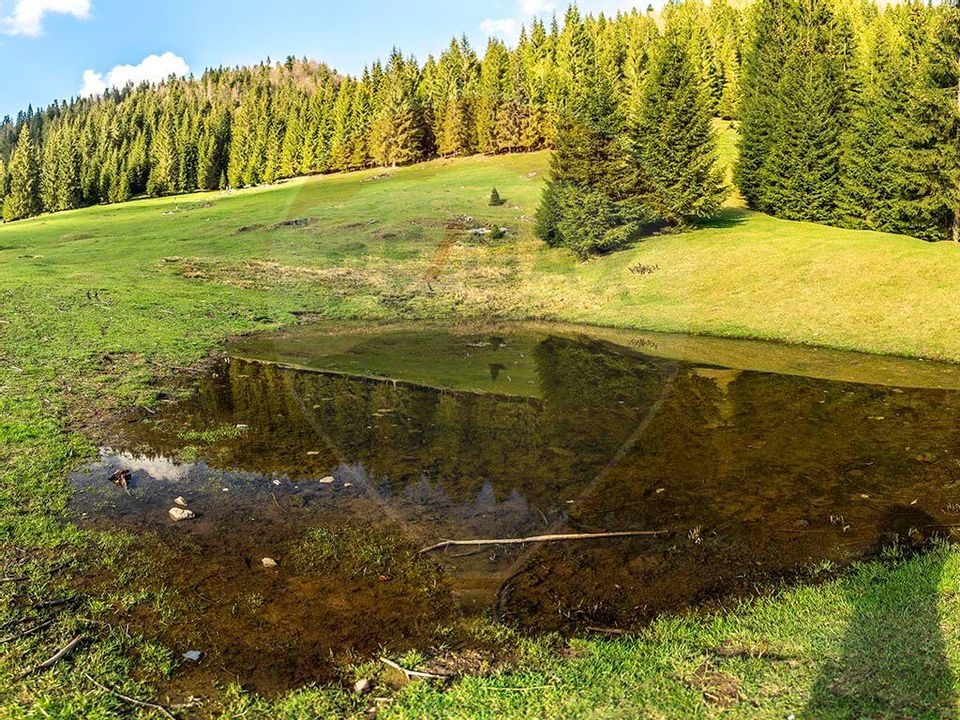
756,475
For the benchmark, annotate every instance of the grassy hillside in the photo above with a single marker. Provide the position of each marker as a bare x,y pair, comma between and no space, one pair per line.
100,308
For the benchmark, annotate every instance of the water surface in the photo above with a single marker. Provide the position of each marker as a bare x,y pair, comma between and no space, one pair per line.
760,463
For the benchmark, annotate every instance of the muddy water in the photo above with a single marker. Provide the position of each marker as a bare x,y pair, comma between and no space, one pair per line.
365,444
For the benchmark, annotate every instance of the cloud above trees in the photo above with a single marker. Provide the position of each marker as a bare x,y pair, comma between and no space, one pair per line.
153,69
508,28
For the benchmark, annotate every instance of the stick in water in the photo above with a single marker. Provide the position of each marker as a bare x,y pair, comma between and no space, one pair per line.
542,538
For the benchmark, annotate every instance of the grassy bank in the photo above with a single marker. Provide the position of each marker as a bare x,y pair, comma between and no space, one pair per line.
101,308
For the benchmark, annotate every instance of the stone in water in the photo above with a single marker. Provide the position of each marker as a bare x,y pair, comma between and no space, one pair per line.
178,514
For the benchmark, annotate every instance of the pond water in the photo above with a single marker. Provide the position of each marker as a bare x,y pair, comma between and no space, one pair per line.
338,452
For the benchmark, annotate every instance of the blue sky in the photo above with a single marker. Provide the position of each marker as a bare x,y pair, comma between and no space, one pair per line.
47,46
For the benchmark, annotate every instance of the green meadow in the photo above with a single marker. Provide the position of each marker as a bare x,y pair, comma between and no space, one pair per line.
110,308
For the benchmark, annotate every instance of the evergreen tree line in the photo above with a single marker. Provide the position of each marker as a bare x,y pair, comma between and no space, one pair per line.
246,126
629,160
851,115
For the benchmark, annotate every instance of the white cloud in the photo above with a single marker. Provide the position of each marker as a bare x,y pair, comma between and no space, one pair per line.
509,28
153,68
505,28
27,16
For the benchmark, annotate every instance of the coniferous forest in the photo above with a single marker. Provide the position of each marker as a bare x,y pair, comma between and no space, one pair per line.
848,114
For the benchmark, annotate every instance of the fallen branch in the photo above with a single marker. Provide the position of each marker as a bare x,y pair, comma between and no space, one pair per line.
413,673
606,631
542,538
26,633
14,579
57,656
133,701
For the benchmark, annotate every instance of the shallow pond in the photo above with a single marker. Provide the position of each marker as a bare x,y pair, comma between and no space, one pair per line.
338,452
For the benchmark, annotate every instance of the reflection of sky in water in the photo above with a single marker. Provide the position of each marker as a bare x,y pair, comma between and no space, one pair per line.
156,480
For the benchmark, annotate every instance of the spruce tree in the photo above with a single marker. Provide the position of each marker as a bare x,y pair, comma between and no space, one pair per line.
23,197
493,73
396,136
772,35
69,189
164,158
3,185
340,147
795,109
672,136
593,202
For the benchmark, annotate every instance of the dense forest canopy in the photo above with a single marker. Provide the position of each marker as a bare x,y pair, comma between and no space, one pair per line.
848,114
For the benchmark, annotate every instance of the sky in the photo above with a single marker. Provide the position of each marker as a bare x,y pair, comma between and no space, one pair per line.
57,49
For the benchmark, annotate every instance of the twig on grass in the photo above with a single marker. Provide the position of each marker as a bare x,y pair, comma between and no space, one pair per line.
413,673
541,538
27,632
56,657
133,701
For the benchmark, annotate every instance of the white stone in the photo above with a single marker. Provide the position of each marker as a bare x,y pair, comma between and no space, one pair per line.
269,562
180,501
178,514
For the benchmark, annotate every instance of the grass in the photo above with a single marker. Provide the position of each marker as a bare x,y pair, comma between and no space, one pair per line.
99,308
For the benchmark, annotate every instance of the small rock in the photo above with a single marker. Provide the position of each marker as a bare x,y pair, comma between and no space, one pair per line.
241,426
193,655
312,453
178,514
362,686
269,562
348,485
180,501
276,482
329,480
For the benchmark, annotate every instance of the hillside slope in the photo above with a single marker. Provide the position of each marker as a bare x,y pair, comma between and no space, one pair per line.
377,244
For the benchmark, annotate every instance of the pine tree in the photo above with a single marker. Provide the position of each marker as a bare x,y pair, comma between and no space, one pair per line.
23,197
672,136
794,110
69,189
3,185
164,158
49,172
772,35
395,135
493,74
340,147
455,135
593,202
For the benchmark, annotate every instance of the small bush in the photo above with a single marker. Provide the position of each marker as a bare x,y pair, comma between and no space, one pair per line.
495,200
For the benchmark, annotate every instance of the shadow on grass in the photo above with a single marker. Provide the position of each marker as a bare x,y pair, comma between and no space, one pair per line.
726,218
893,661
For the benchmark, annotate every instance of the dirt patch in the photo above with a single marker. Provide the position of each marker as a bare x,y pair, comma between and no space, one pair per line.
746,650
718,688
297,223
262,275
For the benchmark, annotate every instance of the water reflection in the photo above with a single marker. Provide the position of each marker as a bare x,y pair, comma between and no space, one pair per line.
755,477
